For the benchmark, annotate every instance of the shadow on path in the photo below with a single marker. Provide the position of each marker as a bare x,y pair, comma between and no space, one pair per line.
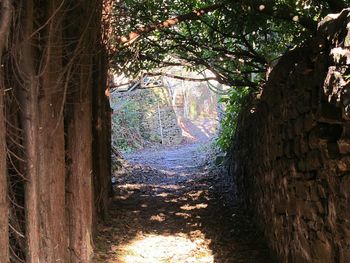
170,208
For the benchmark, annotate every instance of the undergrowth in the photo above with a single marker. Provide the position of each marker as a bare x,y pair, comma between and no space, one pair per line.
126,134
233,102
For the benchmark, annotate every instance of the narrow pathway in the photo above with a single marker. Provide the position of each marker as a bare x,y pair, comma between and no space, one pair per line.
170,207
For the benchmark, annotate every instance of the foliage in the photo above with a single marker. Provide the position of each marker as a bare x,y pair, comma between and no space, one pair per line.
239,41
126,126
234,40
233,104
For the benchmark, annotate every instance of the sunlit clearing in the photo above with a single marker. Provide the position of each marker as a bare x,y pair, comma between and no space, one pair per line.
171,249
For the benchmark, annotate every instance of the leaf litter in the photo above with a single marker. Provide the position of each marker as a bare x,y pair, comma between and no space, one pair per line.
172,207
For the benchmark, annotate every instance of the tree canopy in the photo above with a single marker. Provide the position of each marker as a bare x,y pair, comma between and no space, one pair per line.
237,40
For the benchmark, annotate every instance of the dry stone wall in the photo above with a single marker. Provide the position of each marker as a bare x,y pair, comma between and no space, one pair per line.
291,155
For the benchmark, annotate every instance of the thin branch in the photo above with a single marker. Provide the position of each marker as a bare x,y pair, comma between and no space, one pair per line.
193,15
165,63
154,74
180,77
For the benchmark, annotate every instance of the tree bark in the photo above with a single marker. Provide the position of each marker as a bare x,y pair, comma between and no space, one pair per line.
78,122
101,135
5,13
28,97
55,171
4,209
42,102
53,242
79,176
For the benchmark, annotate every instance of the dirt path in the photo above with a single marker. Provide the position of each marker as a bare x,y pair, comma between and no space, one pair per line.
170,208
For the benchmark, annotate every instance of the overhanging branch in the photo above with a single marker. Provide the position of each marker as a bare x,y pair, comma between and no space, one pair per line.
153,74
193,15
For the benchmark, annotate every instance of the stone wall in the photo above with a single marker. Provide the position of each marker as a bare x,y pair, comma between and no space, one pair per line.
291,155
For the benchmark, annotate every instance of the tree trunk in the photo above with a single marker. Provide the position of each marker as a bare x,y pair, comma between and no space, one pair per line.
53,242
5,13
79,168
42,99
101,127
28,97
52,143
79,177
101,145
4,220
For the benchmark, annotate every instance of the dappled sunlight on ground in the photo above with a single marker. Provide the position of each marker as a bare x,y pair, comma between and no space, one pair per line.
167,248
192,207
199,130
169,207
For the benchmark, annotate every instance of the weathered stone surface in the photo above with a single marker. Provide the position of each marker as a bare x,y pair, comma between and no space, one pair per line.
301,194
344,254
321,251
344,146
345,187
344,164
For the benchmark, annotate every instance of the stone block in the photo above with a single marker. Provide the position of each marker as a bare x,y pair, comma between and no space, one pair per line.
322,193
314,193
280,149
299,126
304,145
301,190
344,164
332,150
329,113
315,97
309,121
290,129
306,210
344,254
319,207
298,257
303,103
288,148
344,146
327,132
322,236
293,112
321,251
280,207
345,186
314,141
313,160
301,165
296,147
346,131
